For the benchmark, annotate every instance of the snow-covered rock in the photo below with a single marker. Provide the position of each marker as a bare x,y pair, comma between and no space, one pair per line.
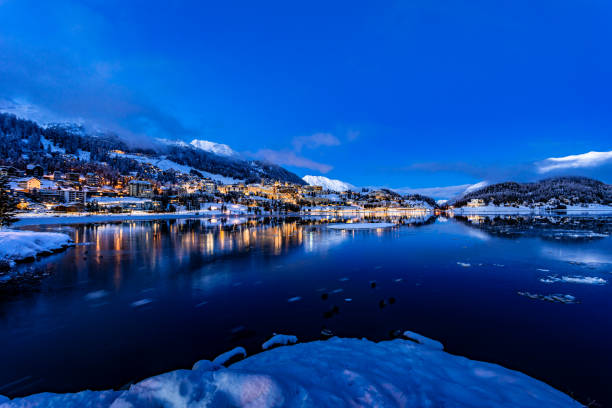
19,245
328,184
212,147
333,373
279,340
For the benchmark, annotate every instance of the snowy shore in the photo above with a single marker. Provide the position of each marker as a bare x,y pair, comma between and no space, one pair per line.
23,245
590,209
333,373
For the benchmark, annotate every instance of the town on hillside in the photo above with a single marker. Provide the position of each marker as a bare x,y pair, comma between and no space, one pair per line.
38,191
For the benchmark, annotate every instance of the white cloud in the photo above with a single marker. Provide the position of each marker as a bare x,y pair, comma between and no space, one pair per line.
315,140
290,158
576,161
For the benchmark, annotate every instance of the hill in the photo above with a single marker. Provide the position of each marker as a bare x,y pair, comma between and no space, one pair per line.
554,191
70,148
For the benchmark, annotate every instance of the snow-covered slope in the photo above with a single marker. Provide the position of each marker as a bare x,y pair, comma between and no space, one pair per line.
216,148
333,373
164,164
327,183
443,193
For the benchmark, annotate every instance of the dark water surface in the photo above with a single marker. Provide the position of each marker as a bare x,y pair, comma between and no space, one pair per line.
141,298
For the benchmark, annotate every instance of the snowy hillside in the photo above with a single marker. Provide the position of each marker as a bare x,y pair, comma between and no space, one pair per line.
328,184
212,147
333,373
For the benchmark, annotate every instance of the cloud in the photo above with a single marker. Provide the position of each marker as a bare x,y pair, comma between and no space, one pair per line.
293,157
315,140
290,158
576,161
56,85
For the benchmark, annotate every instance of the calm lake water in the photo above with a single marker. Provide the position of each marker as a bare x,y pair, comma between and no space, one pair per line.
136,299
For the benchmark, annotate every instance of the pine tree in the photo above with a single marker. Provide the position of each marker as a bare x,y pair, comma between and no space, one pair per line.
8,204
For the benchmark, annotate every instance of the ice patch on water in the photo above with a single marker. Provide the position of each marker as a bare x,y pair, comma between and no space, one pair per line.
294,299
98,294
587,280
464,264
555,298
141,302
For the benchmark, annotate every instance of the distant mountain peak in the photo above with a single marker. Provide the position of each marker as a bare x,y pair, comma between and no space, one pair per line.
212,147
328,184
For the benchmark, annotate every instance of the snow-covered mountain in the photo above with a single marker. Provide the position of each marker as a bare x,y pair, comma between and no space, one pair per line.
444,193
328,184
216,148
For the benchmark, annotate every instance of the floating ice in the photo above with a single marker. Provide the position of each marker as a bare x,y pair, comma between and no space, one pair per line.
279,340
555,298
543,270
339,290
587,280
98,294
294,299
141,302
464,264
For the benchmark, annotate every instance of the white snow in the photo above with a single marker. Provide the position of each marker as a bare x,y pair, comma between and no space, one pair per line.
426,341
228,355
361,225
18,245
279,340
164,164
332,373
47,144
212,147
328,184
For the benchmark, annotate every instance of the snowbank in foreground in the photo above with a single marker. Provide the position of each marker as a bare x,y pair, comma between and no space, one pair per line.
19,245
361,225
332,373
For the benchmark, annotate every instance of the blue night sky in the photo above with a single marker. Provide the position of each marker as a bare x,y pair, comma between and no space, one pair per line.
401,94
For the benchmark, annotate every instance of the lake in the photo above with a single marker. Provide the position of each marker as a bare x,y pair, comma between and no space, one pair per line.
135,299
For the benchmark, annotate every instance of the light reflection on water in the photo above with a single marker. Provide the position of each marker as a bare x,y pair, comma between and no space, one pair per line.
135,299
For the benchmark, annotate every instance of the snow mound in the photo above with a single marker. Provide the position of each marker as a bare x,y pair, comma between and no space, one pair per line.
20,245
279,340
333,373
228,355
328,184
361,225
